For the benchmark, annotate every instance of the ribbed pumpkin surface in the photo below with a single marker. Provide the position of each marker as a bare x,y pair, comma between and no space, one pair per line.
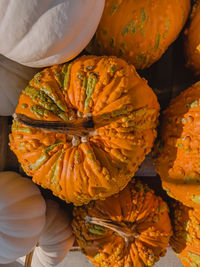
186,238
178,162
129,229
139,31
110,115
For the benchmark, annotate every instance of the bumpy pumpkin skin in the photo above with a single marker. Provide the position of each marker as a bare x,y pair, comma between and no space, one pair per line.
99,165
139,31
192,40
186,235
135,205
178,161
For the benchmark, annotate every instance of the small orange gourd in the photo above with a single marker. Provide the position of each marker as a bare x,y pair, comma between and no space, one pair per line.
82,129
139,31
131,228
178,161
192,40
186,234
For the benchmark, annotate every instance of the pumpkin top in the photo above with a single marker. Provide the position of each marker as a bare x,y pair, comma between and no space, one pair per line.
186,236
178,155
140,31
83,128
131,228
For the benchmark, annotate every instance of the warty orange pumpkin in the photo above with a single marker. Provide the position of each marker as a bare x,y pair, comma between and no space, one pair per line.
186,234
178,159
139,31
82,129
129,229
192,40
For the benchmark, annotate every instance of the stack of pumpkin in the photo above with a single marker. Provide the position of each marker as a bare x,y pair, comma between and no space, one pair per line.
83,128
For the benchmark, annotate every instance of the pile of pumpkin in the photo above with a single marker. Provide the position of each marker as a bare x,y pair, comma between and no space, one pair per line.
83,128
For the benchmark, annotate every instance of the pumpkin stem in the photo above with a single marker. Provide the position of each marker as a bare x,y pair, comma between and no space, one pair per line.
79,127
28,259
128,234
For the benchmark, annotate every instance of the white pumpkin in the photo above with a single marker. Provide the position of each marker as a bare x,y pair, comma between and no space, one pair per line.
22,216
56,238
41,33
13,78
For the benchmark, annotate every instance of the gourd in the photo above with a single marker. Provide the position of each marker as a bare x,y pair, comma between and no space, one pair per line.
131,228
186,238
177,159
22,216
82,129
139,31
56,238
38,35
14,77
192,40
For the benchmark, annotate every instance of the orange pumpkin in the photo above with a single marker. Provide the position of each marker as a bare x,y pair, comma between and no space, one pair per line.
192,40
139,31
186,234
178,161
131,228
82,129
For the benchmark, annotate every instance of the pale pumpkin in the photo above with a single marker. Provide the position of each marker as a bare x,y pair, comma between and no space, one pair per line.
82,129
192,40
22,216
13,78
39,33
178,161
56,238
131,228
139,31
186,234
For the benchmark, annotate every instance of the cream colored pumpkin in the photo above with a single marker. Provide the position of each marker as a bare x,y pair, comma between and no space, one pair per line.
56,239
41,33
22,216
13,78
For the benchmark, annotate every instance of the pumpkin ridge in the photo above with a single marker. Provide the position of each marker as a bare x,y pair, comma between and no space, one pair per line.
44,157
55,171
43,99
64,173
52,91
113,85
66,82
